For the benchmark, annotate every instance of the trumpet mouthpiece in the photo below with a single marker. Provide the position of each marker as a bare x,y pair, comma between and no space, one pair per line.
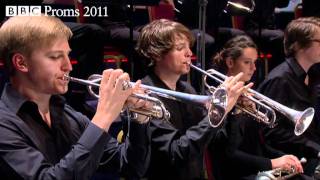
303,160
66,77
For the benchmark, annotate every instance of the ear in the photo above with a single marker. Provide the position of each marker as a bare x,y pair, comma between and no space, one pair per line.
296,47
19,62
229,63
157,59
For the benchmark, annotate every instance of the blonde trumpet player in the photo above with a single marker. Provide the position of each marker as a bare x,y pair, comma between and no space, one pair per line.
41,136
240,148
178,145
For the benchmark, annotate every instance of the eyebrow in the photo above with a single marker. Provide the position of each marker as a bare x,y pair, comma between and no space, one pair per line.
247,58
181,43
60,51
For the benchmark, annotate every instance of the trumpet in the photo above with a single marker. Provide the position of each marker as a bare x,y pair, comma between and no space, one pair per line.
157,109
266,107
278,173
215,104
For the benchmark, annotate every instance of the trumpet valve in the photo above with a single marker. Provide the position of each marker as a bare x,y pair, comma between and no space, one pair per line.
126,85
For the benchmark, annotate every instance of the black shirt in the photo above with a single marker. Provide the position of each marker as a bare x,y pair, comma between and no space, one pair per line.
314,80
55,141
285,84
242,147
314,85
71,149
182,115
178,146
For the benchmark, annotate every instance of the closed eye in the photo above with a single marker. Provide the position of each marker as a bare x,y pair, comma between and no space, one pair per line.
54,57
180,47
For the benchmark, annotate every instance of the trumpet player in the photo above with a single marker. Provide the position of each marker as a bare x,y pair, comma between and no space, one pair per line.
241,148
41,136
288,84
177,146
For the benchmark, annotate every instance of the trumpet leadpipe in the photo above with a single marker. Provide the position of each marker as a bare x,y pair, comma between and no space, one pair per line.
158,109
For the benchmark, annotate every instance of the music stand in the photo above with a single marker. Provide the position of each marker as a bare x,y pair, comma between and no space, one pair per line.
201,51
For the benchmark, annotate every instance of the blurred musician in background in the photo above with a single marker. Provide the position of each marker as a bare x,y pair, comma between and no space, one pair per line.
41,136
117,26
261,26
217,23
178,144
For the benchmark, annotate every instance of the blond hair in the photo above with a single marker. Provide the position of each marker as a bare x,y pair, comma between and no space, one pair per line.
24,34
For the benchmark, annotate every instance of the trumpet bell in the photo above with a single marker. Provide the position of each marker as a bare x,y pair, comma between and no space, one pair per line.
303,121
217,107
267,107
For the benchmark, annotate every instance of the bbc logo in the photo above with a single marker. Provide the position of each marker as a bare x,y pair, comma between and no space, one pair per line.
23,11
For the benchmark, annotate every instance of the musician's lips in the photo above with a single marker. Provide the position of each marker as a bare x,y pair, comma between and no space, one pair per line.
65,77
250,74
187,63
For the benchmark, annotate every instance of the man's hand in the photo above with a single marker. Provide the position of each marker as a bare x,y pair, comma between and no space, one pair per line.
138,103
235,88
112,97
287,162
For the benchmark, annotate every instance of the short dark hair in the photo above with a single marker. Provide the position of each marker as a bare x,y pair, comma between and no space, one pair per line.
299,34
157,38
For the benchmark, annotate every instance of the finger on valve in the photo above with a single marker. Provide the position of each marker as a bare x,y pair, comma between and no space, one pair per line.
111,81
231,81
246,103
233,95
134,102
105,79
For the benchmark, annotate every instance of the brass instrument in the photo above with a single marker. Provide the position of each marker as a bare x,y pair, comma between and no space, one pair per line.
265,111
278,173
157,110
215,104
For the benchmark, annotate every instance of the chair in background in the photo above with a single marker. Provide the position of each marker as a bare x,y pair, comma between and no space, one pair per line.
161,11
113,57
